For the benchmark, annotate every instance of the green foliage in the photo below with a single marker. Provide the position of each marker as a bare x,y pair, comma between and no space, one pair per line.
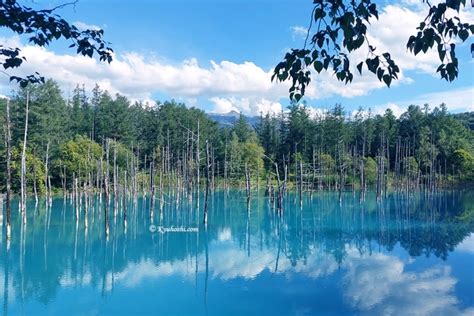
252,155
35,170
248,152
427,151
412,165
48,115
328,162
443,31
79,156
331,141
338,27
242,129
113,119
42,27
464,163
370,169
123,154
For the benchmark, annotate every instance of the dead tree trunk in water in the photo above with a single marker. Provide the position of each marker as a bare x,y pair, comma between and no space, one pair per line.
206,202
198,161
23,161
106,188
124,201
9,170
300,187
280,193
247,185
46,165
35,189
115,175
152,187
76,197
381,167
225,166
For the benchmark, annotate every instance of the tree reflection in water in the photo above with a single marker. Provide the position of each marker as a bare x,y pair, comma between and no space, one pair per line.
54,251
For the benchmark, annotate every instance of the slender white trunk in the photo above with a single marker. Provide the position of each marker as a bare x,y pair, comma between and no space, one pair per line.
23,161
9,172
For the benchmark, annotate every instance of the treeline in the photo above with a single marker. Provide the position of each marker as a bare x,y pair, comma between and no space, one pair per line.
84,143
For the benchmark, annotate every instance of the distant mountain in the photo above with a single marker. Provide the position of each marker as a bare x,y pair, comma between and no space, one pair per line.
228,119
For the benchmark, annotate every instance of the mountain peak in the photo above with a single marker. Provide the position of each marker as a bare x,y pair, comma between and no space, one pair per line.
232,113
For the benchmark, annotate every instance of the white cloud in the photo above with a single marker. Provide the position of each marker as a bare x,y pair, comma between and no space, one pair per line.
381,35
298,32
227,85
315,112
223,105
245,85
395,25
456,101
84,26
467,244
247,105
380,285
380,110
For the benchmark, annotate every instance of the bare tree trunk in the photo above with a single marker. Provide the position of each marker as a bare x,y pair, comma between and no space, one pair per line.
76,197
106,188
162,170
206,200
198,164
213,170
35,190
247,185
300,189
9,170
152,188
124,202
46,165
280,193
115,181
23,161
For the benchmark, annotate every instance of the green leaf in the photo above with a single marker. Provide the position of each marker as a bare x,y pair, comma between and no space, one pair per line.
359,67
380,72
441,52
318,66
319,13
418,46
463,34
387,79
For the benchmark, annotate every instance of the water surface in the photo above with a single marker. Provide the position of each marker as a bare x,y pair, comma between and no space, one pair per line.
401,256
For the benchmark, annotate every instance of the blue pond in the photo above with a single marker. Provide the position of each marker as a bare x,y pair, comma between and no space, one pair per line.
401,256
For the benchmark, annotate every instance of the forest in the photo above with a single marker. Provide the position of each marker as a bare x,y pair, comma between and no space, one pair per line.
72,145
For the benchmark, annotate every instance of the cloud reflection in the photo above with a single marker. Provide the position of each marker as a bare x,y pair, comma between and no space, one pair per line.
381,284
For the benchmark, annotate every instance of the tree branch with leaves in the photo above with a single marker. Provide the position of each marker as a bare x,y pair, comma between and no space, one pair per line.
339,27
42,27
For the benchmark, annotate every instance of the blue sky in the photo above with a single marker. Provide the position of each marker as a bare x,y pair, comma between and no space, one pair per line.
218,55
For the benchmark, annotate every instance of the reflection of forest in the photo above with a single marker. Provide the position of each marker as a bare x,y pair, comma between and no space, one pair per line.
53,250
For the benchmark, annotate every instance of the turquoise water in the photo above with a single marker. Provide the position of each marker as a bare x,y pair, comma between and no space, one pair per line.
401,256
